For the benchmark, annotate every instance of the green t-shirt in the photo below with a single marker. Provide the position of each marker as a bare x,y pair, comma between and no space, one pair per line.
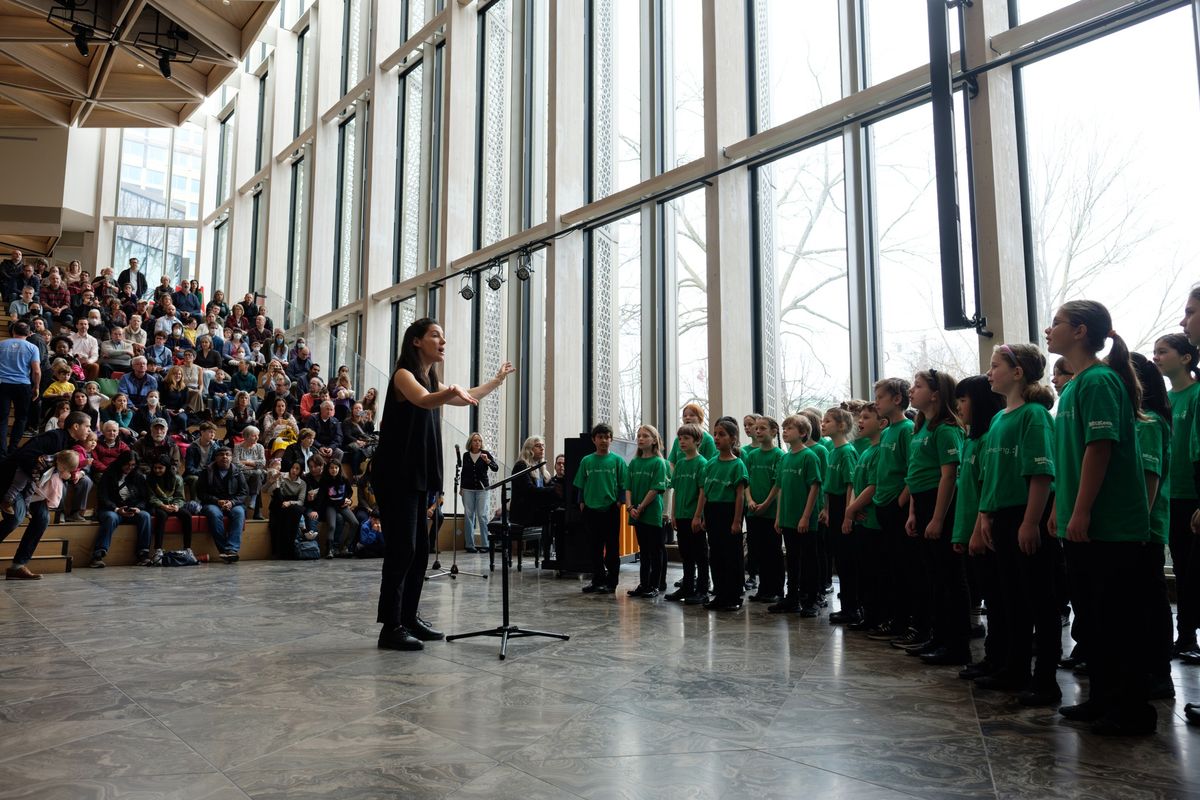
966,504
707,448
1155,444
929,451
1183,432
861,444
893,461
686,483
1019,445
827,443
601,478
721,479
864,476
646,474
797,472
1094,407
823,459
762,467
841,469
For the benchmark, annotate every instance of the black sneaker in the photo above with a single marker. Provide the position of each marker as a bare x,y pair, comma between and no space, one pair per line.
606,590
591,588
698,599
882,633
910,637
638,591
678,596
1087,711
809,612
649,593
861,626
678,584
974,671
1182,646
1041,694
1162,688
730,607
784,607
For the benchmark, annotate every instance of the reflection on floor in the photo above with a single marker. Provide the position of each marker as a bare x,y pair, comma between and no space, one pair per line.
263,680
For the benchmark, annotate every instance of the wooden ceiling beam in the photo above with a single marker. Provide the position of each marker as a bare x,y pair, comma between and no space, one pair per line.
207,26
46,107
15,28
150,112
50,65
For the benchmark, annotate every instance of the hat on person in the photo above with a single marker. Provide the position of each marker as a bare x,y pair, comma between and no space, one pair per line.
158,422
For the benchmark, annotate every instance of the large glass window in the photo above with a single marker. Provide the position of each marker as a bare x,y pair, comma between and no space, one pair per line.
304,83
187,165
797,59
683,84
159,250
435,157
348,232
225,157
495,100
1113,194
683,245
408,179
262,142
297,272
160,173
220,262
356,41
616,113
617,324
898,36
404,313
909,258
258,239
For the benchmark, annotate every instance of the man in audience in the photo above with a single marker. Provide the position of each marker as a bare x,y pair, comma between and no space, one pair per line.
10,268
168,320
222,490
137,383
25,278
85,348
158,445
134,277
186,302
298,367
20,379
328,432
116,354
159,357
105,285
199,455
19,309
56,301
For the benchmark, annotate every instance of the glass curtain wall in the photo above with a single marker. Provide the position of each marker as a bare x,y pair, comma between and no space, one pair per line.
347,277
297,266
258,240
225,157
220,263
408,178
617,71
304,83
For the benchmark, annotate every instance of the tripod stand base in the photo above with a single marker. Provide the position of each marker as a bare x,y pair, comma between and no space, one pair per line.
506,632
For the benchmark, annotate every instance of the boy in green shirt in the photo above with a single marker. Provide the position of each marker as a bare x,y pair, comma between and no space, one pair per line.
891,503
601,482
798,485
861,526
693,544
644,499
837,425
762,543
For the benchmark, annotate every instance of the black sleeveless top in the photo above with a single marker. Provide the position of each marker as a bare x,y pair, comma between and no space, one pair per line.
409,455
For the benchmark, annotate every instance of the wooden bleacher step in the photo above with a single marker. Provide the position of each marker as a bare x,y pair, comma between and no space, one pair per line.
46,547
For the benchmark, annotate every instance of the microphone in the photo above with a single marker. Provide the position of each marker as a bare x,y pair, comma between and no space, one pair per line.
457,455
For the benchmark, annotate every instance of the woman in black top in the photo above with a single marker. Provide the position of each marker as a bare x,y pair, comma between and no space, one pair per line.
476,465
406,467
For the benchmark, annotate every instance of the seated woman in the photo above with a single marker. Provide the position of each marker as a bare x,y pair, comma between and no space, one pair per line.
333,502
167,500
532,494
207,358
250,457
193,378
238,417
342,394
280,427
287,511
79,402
274,383
145,416
357,444
311,400
118,411
120,497
243,380
173,393
108,447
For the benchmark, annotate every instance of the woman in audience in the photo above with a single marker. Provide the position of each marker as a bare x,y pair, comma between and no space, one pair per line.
238,418
218,305
173,393
166,501
118,411
274,383
79,402
250,457
207,358
280,427
287,511
476,464
243,380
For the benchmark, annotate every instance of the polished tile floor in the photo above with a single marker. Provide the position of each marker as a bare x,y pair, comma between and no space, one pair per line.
263,680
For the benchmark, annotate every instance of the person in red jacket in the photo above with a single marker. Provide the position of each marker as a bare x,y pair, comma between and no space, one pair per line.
107,448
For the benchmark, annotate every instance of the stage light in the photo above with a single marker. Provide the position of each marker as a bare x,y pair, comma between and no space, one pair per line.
81,34
164,63
465,290
82,22
167,44
524,266
496,279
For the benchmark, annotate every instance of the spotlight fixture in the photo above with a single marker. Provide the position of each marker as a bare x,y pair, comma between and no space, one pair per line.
166,45
496,279
524,265
82,21
465,289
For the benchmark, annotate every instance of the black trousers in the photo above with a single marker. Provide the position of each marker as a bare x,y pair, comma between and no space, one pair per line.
1185,555
652,544
894,586
875,574
284,524
765,549
693,550
987,579
1158,629
1029,597
159,522
19,396
947,603
803,567
603,526
1110,626
406,549
918,561
726,553
845,560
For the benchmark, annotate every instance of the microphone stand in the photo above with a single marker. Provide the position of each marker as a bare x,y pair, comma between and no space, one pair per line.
454,571
506,630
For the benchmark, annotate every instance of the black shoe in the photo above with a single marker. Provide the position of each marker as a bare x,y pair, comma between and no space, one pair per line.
882,633
751,583
808,612
1070,662
921,646
398,639
591,588
970,673
1087,711
910,637
637,591
1064,620
844,618
678,596
860,626
678,584
978,631
1002,682
1041,694
606,590
784,607
1142,721
1161,689
470,550
698,599
1192,712
1180,647
766,598
730,607
712,605
420,629
947,657
1191,657
649,593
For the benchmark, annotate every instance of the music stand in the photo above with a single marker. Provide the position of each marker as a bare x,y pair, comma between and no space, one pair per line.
507,630
454,571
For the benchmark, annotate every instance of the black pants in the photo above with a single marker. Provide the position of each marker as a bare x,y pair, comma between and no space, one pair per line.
284,525
651,543
1110,626
873,595
763,543
1156,616
1028,596
1185,555
947,611
919,565
725,547
18,395
803,567
894,587
406,549
834,505
693,550
159,521
603,526
841,545
987,579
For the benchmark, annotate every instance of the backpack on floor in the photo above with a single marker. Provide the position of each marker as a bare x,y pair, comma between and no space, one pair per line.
178,558
307,550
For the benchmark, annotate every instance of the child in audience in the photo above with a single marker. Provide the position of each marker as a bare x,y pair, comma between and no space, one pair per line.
220,394
1101,510
334,501
601,480
62,387
762,541
719,511
1017,469
647,481
693,544
861,525
836,426
166,501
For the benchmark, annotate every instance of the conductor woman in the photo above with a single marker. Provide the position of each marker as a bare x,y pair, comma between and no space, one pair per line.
406,467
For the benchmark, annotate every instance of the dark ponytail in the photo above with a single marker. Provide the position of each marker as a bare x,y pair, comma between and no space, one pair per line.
1154,388
1032,363
1095,317
1180,344
985,404
731,428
